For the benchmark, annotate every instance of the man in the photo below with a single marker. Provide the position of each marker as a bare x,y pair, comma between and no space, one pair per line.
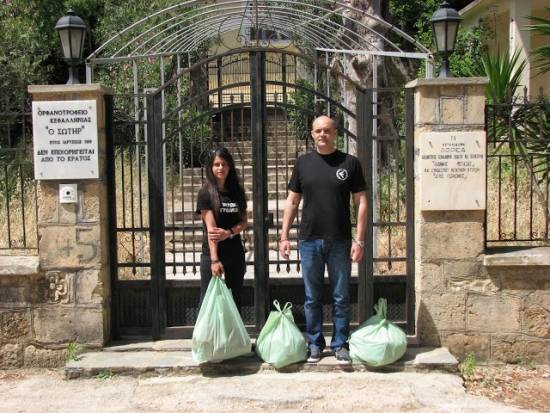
325,178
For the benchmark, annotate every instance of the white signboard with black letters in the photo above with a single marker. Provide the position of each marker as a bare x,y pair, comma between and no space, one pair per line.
65,139
452,170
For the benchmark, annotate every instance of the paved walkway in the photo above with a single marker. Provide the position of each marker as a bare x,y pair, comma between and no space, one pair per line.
47,391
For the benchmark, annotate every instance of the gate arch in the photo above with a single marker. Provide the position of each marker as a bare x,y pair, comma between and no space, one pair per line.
259,101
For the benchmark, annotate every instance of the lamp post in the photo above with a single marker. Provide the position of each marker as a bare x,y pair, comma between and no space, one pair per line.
445,22
72,31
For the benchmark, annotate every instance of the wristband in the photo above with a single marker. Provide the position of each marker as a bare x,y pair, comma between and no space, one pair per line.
232,233
360,243
215,261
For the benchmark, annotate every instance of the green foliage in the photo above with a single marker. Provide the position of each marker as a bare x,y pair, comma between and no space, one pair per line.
115,17
73,350
470,47
521,129
468,366
413,17
504,73
30,51
300,121
17,170
542,53
105,375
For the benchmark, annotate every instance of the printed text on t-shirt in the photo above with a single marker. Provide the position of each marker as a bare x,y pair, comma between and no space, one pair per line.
229,208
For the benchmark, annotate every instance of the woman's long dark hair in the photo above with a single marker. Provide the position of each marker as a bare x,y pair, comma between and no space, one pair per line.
232,182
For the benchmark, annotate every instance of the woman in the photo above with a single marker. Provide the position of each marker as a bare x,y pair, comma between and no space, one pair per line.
222,205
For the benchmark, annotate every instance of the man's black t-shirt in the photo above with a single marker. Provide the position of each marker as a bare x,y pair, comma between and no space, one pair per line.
228,217
325,182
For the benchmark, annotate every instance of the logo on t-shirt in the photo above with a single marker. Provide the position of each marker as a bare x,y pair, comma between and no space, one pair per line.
342,174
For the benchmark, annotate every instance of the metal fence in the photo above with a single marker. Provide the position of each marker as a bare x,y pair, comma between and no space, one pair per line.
18,207
518,165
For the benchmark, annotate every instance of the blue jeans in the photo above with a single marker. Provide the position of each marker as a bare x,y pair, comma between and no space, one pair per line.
335,254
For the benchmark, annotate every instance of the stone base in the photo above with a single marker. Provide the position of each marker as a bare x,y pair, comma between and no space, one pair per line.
170,361
47,358
14,356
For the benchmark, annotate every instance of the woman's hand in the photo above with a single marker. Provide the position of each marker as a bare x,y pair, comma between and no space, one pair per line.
217,268
218,234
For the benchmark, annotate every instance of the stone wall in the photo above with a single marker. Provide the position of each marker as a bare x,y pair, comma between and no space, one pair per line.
26,297
501,312
63,295
492,305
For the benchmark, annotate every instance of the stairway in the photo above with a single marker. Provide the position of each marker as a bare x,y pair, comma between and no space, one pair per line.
183,243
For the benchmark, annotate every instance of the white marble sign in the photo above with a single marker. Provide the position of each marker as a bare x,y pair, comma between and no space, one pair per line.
452,170
65,139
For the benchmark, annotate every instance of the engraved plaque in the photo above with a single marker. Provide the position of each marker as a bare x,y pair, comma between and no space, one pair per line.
452,170
65,139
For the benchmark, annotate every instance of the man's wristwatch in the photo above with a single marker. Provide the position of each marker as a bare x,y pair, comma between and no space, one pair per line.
232,233
360,243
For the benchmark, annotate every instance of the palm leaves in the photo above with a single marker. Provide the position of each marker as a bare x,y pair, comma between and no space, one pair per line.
520,129
504,73
542,53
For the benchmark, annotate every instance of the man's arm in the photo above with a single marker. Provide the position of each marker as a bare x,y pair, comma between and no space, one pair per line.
360,201
291,209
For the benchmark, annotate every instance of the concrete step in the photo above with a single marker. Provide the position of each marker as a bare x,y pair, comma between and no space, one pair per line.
179,246
190,196
272,141
272,135
273,182
246,170
190,235
173,357
188,215
276,271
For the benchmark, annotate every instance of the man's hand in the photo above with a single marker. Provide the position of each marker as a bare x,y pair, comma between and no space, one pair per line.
356,252
291,209
284,248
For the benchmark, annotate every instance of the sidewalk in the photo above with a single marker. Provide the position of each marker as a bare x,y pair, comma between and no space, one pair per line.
47,391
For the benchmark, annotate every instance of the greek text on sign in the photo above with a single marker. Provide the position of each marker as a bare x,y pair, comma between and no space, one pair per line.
452,170
65,139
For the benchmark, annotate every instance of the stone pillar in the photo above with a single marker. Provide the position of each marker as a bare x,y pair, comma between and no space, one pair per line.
74,243
449,245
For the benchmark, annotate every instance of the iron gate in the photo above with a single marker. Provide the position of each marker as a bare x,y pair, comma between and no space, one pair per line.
258,102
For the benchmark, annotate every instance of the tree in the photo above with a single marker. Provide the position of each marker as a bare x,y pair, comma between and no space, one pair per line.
30,52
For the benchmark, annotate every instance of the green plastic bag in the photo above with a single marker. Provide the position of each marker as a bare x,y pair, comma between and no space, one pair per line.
219,332
377,341
280,342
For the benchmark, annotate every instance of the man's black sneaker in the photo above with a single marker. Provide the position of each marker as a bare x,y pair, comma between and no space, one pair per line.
342,356
314,355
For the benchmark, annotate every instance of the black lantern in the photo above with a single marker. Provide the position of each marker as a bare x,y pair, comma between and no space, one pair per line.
72,31
445,22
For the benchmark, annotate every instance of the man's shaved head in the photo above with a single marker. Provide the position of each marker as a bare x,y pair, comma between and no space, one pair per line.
323,118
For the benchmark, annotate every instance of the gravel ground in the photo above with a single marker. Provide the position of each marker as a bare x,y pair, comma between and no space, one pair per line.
522,386
46,391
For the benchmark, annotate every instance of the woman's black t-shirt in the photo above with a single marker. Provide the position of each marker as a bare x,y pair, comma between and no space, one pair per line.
228,216
326,182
